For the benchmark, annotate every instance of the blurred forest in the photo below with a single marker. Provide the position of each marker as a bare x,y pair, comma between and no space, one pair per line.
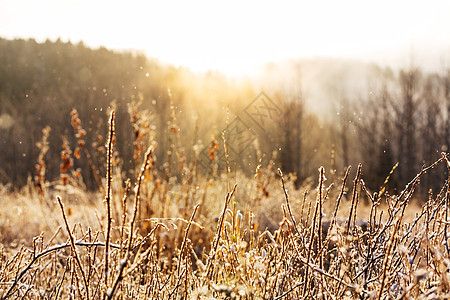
300,116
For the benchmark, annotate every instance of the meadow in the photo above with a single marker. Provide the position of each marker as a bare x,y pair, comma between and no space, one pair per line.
217,234
113,186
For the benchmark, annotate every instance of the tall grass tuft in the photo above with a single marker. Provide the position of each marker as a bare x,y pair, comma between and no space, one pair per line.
197,236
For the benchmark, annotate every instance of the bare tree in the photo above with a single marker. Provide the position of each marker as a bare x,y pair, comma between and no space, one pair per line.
292,129
291,156
374,126
432,120
406,124
446,86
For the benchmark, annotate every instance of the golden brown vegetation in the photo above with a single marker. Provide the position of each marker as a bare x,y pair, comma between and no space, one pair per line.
218,236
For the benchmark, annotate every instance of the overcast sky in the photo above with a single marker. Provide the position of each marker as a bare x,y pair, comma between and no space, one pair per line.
234,36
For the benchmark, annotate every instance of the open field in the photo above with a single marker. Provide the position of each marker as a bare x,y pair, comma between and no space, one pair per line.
219,236
224,150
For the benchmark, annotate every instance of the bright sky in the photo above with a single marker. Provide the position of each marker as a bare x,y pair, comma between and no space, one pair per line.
235,35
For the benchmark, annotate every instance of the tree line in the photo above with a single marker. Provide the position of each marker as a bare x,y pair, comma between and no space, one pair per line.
399,116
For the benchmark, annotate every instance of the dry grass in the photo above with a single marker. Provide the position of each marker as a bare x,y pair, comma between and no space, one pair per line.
223,237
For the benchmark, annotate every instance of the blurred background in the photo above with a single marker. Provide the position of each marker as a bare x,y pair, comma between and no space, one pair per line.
300,84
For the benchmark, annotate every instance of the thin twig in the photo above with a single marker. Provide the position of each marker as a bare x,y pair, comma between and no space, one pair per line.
74,250
124,262
218,233
354,197
108,193
386,258
287,200
48,251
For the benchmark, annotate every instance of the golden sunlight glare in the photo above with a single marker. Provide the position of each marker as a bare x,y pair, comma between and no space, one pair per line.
235,37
